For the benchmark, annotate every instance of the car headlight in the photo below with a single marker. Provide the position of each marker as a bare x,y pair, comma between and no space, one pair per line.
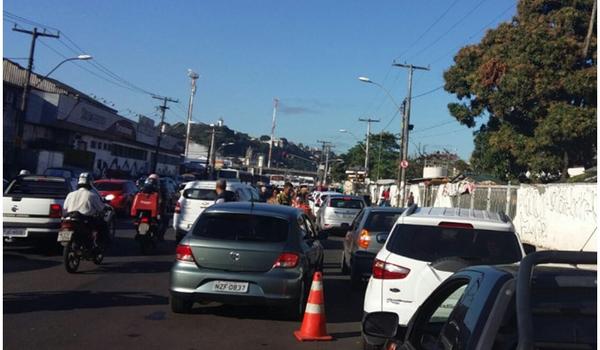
109,197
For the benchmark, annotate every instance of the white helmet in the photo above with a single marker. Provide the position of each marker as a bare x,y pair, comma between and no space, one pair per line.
24,172
85,179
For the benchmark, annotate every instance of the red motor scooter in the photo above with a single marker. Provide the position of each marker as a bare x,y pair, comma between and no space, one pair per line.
146,214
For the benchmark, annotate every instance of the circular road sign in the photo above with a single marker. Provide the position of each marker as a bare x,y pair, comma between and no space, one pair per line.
404,164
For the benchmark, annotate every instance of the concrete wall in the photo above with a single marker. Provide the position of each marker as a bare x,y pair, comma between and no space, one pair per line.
559,216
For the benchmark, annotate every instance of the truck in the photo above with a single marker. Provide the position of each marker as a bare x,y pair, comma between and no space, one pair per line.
522,306
33,207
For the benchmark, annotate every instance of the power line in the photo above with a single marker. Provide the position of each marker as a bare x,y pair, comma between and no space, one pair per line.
428,29
434,126
428,92
444,33
441,134
474,34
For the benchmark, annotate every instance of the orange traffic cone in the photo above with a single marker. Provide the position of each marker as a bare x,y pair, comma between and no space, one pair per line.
314,324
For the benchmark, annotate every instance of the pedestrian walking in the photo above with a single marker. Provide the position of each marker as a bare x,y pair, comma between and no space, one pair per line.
410,200
286,196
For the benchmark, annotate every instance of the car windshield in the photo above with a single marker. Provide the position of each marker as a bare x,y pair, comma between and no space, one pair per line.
108,186
346,203
200,193
241,227
428,243
37,187
381,222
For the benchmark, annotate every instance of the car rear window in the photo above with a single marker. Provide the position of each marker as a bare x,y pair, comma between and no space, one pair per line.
241,227
38,187
381,222
200,193
108,186
58,173
429,243
346,203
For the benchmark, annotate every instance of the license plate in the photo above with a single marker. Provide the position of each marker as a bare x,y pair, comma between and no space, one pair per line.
64,236
230,287
15,232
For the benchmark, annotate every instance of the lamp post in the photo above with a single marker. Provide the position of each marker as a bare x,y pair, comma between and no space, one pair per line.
402,124
78,58
193,77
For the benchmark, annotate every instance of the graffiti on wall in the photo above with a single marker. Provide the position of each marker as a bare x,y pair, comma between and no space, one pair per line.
557,216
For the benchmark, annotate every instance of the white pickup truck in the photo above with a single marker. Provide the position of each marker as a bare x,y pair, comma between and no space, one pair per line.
33,206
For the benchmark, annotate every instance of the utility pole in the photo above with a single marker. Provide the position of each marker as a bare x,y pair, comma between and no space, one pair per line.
20,120
211,149
275,104
325,148
163,109
368,121
588,37
193,76
405,123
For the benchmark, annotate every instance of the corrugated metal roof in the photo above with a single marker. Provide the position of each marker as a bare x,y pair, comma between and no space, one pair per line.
16,74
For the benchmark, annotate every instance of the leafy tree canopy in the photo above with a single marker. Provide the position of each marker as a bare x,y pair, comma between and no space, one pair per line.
534,87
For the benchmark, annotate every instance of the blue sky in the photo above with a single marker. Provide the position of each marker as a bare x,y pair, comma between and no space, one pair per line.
307,53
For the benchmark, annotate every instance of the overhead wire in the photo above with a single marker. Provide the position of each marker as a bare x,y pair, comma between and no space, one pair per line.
436,21
447,31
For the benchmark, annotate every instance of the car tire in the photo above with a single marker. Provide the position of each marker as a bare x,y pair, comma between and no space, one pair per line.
180,305
343,265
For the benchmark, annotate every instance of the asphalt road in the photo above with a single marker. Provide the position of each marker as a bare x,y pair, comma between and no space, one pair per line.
124,304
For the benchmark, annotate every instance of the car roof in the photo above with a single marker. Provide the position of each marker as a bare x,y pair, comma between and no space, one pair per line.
360,198
42,178
263,209
385,210
480,219
544,273
207,184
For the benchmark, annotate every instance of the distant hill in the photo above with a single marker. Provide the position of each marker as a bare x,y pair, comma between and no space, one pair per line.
289,155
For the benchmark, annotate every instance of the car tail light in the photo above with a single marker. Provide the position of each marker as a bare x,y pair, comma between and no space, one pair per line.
364,239
55,211
178,208
184,253
455,225
387,271
66,224
287,260
392,345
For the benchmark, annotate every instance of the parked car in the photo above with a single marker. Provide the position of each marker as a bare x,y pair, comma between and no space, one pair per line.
33,206
338,211
199,195
247,253
364,239
118,193
427,245
503,307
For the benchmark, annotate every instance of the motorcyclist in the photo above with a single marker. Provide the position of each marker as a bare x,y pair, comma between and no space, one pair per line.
87,202
151,185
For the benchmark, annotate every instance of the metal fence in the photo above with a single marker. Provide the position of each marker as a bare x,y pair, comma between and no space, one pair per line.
490,198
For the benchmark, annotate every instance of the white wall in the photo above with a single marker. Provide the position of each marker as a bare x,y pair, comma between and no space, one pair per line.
558,216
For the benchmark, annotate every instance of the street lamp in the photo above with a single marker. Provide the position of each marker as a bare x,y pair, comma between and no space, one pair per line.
193,76
78,58
401,171
344,131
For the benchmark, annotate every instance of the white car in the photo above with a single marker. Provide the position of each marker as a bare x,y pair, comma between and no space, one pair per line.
317,199
199,195
338,211
425,247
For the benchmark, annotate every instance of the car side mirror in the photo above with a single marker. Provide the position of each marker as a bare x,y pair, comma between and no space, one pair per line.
529,248
381,324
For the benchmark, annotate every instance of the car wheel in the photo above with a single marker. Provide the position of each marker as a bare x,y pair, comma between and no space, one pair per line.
180,305
343,265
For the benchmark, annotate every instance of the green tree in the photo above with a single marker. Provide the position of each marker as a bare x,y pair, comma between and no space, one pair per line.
383,156
530,82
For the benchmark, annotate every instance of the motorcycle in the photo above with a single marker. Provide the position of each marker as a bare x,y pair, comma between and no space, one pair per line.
80,239
145,211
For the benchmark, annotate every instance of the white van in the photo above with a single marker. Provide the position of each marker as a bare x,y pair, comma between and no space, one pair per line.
199,195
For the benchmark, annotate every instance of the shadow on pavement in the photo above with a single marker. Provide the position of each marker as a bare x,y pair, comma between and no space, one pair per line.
15,303
343,303
128,246
333,244
19,263
131,267
256,312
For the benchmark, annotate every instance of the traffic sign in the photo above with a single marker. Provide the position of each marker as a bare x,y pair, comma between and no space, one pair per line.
404,164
